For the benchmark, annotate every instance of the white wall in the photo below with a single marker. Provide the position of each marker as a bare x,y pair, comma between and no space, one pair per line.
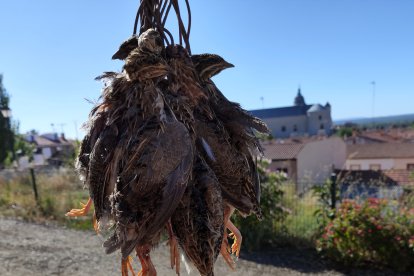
386,163
315,160
275,124
47,152
401,164
314,123
23,162
38,159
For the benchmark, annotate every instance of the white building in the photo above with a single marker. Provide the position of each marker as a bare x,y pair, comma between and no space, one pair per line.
300,119
307,163
381,156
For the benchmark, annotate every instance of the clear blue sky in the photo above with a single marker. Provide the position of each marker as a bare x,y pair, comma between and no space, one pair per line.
50,52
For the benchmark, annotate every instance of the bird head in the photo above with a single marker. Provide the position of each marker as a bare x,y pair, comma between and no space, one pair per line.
126,48
178,52
151,41
209,65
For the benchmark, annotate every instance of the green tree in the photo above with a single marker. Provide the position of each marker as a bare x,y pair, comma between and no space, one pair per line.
6,134
345,132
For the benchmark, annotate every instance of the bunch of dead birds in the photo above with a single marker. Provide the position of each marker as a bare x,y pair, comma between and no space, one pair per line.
165,150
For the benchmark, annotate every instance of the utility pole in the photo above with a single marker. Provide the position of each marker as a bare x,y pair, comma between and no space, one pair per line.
76,129
61,127
373,83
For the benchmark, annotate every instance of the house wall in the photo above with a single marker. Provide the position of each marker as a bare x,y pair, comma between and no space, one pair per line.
276,124
39,159
386,163
47,153
401,164
305,124
283,166
315,161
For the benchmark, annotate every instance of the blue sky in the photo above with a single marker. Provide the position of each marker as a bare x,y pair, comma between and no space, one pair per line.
50,52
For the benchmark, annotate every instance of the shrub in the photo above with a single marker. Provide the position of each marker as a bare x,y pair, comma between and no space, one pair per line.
263,234
375,232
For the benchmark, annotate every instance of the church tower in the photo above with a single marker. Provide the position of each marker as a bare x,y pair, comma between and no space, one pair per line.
299,100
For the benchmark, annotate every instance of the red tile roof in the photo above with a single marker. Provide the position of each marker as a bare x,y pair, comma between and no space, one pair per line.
381,150
278,151
402,177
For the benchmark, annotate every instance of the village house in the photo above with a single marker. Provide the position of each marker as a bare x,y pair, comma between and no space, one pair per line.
301,119
381,156
308,161
378,170
50,149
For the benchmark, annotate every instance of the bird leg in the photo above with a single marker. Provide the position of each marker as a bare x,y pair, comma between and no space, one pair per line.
174,254
143,253
95,223
236,236
126,265
80,212
225,243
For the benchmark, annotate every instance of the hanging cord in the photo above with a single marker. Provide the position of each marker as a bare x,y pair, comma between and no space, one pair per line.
183,34
154,14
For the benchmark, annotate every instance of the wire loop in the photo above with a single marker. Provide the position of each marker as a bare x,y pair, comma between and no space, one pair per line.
154,14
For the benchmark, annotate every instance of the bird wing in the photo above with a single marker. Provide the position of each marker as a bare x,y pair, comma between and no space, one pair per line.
153,177
198,220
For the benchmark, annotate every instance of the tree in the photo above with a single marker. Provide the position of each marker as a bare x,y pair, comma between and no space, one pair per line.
6,134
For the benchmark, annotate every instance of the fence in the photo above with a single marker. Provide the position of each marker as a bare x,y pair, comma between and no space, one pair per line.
302,225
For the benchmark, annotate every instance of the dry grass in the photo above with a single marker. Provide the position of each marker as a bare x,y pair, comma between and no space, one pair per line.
58,193
300,225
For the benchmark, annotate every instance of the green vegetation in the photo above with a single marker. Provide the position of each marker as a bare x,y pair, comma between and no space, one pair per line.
345,132
262,234
58,194
300,225
375,233
6,134
288,220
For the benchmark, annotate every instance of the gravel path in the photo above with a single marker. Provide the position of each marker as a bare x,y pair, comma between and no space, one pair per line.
31,249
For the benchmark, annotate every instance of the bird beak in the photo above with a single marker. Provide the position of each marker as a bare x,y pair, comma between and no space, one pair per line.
229,65
117,56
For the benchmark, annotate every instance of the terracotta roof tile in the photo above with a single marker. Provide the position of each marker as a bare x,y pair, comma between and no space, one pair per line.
278,151
381,150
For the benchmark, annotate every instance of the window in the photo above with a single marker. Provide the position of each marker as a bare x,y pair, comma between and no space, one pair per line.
410,167
375,167
282,170
295,128
322,126
320,117
283,128
355,167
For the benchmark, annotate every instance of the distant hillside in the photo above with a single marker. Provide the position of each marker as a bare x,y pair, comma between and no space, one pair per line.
398,119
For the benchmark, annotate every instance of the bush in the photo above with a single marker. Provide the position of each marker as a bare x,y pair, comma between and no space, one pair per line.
375,232
263,234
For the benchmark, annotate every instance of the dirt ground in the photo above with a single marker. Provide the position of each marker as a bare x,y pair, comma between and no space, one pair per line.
32,249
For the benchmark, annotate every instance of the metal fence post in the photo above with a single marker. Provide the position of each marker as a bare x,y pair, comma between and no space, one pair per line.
32,173
333,190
